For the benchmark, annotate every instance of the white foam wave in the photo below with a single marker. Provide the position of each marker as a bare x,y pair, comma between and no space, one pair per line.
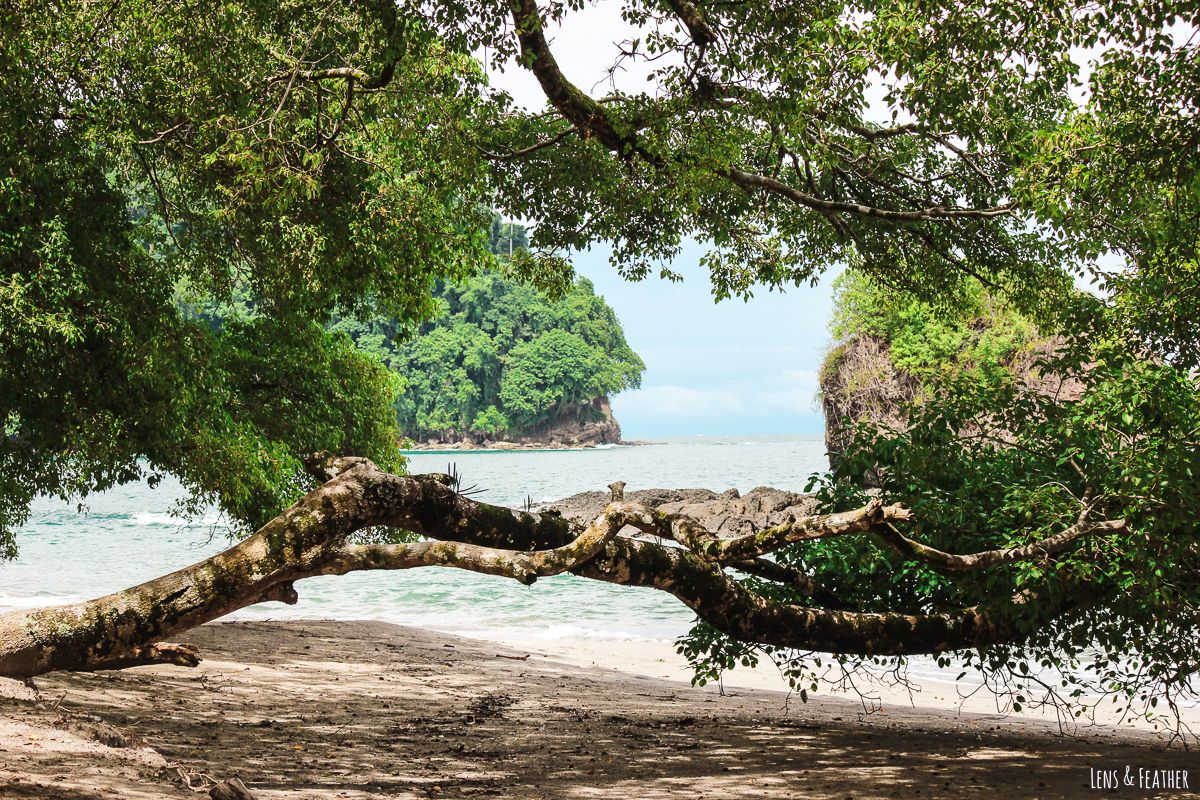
10,601
550,633
155,519
171,521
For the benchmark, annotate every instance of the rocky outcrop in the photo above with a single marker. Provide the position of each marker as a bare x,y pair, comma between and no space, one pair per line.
726,514
859,383
576,425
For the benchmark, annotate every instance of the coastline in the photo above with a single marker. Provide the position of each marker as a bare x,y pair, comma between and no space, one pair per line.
467,447
373,710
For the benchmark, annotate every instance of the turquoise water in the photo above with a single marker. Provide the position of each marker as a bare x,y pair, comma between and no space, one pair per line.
128,536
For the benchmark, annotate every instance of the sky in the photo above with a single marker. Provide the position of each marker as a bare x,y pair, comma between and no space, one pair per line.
732,367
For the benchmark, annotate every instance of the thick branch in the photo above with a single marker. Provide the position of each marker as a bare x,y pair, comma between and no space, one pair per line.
311,538
326,466
915,551
698,28
307,539
580,110
733,609
526,567
788,576
710,547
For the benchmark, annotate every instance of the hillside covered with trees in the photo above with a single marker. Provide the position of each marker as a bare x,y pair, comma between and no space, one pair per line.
504,361
494,360
891,352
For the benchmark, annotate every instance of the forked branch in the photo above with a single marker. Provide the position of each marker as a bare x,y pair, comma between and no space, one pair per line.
709,547
915,551
312,537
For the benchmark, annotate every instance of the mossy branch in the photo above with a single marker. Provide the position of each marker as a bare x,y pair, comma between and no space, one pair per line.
912,550
312,538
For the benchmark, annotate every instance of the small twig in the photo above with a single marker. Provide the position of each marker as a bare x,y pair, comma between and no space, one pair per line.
186,775
514,658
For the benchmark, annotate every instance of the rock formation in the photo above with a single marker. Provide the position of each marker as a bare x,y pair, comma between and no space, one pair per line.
726,514
859,383
576,425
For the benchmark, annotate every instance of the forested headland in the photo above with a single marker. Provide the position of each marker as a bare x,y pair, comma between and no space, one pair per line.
502,362
496,362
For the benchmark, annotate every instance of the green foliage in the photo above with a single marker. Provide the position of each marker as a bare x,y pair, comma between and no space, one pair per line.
153,153
979,336
988,466
503,357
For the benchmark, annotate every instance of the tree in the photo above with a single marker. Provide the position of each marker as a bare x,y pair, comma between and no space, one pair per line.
297,146
503,356
154,152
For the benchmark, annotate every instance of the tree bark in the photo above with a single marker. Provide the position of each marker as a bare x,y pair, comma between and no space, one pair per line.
232,789
312,537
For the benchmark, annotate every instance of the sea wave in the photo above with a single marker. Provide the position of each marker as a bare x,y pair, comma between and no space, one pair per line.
549,633
15,601
171,521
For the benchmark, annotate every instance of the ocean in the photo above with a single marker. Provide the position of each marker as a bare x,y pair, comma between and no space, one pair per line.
128,536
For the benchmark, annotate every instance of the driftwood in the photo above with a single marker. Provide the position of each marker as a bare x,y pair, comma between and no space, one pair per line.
232,789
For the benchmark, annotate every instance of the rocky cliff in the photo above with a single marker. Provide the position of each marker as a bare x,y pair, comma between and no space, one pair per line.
860,383
576,425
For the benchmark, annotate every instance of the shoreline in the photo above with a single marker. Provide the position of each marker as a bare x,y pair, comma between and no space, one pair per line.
525,448
922,693
370,710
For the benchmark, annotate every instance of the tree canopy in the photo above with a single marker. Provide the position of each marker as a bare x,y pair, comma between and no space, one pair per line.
1003,458
334,159
502,357
151,150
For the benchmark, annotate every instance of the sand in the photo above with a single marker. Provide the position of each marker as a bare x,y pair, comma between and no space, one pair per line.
371,710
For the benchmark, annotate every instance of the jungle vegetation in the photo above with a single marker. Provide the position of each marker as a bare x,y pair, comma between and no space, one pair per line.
493,355
503,358
334,159
888,352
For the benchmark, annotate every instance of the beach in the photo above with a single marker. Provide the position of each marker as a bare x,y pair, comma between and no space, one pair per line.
312,709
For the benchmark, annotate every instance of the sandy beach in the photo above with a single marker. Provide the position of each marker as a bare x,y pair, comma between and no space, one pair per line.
372,710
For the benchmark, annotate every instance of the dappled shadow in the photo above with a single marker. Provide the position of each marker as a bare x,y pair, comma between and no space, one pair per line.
357,710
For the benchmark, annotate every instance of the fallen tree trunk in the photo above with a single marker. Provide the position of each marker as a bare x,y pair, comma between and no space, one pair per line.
312,537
